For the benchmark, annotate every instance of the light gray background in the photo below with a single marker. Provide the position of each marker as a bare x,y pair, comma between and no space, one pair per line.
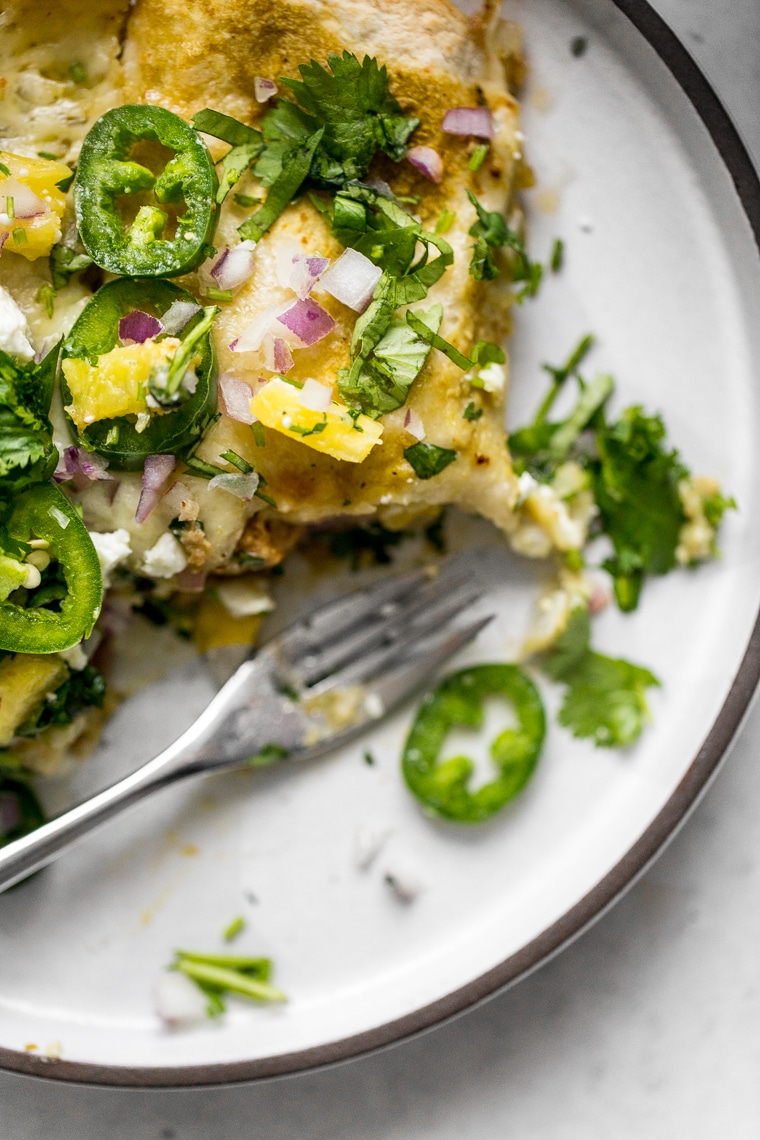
647,1028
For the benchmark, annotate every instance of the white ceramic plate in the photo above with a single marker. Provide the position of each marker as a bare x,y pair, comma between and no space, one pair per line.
662,265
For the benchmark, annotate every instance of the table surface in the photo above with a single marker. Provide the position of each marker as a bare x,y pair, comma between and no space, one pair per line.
648,1026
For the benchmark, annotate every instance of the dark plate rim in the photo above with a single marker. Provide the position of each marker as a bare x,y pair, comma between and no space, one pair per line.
574,922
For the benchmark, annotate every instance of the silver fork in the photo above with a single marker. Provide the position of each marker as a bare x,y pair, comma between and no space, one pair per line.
315,686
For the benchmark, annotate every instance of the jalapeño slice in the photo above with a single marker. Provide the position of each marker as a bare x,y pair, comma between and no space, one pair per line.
113,166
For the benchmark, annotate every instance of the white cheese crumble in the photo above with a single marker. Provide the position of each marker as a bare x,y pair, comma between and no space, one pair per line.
164,559
14,330
244,597
75,657
111,547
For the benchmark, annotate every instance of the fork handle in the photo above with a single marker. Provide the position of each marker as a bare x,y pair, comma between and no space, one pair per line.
22,857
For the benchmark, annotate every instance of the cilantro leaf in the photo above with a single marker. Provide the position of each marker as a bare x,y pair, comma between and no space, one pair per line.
343,115
483,353
605,700
234,165
225,128
427,459
295,169
27,453
636,485
381,384
359,114
492,232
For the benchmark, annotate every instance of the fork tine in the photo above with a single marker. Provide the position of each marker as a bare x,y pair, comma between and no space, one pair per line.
400,635
401,682
336,618
442,595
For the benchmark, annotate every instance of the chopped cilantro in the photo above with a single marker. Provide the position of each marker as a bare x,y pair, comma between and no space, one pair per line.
605,699
219,974
5,170
578,46
478,156
77,73
427,459
483,353
557,259
40,154
246,200
381,384
83,689
636,482
342,116
369,759
237,461
472,413
236,927
715,506
445,222
64,263
492,232
27,453
635,477
435,533
368,545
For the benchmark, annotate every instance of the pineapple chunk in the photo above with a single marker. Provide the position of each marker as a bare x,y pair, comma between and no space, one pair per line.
31,237
277,406
24,682
118,384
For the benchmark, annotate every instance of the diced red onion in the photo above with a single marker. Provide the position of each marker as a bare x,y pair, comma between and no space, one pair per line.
476,121
180,500
156,472
381,187
234,266
413,424
352,280
236,398
304,274
26,204
277,354
178,315
315,396
80,467
241,486
407,419
253,334
427,161
93,466
191,581
137,327
263,89
10,813
306,322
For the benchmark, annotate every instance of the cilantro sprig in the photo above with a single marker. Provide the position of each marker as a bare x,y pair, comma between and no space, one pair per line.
634,474
492,232
340,117
605,697
27,453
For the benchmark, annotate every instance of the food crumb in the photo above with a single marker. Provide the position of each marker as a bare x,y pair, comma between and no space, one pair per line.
578,46
368,843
